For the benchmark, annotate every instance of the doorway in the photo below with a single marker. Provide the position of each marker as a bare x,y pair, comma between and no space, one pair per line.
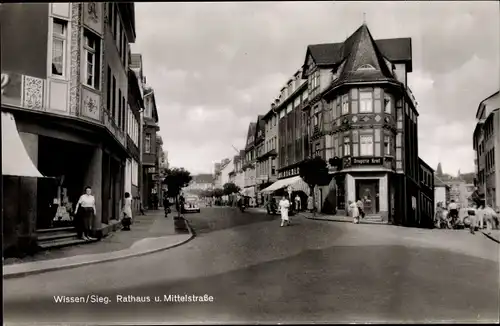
368,191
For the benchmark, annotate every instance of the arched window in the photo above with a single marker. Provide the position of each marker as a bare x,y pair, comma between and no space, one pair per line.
366,67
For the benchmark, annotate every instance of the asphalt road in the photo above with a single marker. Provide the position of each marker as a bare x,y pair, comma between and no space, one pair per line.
256,271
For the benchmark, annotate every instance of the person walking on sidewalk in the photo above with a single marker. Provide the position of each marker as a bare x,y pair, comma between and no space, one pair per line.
489,215
127,212
298,203
353,208
86,204
284,206
480,217
472,211
361,208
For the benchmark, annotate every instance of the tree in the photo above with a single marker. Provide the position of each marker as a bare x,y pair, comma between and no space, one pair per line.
230,188
218,192
313,171
176,179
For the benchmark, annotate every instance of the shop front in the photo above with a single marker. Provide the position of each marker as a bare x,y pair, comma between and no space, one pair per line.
372,188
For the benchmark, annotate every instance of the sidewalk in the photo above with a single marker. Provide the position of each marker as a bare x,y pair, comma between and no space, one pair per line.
150,233
337,218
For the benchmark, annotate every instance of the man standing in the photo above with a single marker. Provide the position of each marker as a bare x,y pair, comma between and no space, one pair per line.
298,203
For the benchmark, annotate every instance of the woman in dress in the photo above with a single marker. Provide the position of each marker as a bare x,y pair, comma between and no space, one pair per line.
284,206
86,205
127,212
353,208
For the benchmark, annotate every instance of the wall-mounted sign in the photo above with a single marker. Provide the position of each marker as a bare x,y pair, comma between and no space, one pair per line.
366,161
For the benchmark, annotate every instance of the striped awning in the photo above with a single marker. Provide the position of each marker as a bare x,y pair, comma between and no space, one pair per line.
296,183
15,159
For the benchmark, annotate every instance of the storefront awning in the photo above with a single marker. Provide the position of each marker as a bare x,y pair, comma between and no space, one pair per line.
15,159
296,183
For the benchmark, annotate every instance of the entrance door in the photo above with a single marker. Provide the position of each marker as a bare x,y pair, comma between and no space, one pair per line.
367,191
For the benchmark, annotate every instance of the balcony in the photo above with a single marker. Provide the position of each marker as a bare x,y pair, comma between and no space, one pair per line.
28,93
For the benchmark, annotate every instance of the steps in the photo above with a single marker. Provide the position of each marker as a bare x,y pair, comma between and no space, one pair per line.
373,219
58,238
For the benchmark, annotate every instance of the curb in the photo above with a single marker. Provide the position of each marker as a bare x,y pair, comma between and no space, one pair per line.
106,260
490,237
360,222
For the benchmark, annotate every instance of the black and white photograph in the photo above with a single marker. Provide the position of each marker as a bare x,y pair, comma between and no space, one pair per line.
245,162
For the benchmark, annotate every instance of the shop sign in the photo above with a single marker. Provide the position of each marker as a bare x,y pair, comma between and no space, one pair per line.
367,161
11,88
151,170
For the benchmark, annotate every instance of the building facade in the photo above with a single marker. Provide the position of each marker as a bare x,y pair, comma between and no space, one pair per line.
70,117
362,112
132,167
150,149
486,142
249,166
261,166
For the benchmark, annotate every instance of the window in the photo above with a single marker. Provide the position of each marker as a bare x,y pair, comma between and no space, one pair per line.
345,104
387,145
347,146
366,67
108,92
92,52
113,110
123,114
365,102
115,21
387,103
147,143
366,145
135,172
59,34
119,121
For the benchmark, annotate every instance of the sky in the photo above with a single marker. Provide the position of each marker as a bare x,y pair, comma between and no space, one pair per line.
216,66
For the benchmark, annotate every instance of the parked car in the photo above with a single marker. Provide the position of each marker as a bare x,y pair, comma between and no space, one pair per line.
191,205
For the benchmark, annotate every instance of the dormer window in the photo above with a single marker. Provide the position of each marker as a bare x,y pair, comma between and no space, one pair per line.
366,67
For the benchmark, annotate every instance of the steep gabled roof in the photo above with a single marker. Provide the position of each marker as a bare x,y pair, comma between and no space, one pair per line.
261,125
251,133
330,54
360,51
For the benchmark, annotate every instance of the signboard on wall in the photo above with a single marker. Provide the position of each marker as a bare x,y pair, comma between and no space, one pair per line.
366,161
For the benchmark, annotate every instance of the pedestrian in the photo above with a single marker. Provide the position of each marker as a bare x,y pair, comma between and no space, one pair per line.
489,216
480,217
284,206
472,218
361,208
353,208
86,204
310,204
298,203
166,205
127,212
453,211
